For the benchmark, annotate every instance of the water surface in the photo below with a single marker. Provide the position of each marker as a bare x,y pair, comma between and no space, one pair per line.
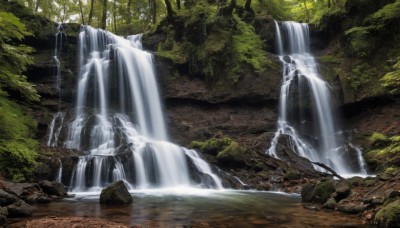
205,208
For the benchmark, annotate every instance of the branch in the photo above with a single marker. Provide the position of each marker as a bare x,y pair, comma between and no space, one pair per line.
329,169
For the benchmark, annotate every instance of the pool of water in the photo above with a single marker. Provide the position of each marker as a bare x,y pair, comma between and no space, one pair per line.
205,208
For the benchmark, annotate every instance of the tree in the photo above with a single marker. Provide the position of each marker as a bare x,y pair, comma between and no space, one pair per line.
104,15
91,12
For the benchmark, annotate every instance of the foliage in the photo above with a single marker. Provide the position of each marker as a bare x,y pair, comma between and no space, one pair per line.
277,9
17,149
361,40
212,44
14,58
360,75
391,80
377,137
389,13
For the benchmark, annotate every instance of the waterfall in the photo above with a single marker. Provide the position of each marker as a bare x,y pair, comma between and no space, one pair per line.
119,124
305,112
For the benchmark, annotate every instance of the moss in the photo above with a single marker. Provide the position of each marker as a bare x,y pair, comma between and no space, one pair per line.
391,80
361,40
389,215
17,148
212,146
389,13
231,153
292,175
378,139
323,190
360,75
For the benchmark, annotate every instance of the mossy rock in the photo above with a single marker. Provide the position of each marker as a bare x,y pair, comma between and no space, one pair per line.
389,215
233,153
116,193
356,181
323,191
330,204
212,146
307,192
292,175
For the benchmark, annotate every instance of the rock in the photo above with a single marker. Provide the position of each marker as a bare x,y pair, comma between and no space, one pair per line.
356,181
53,188
3,211
38,198
307,192
116,193
7,198
20,209
351,208
385,176
323,191
370,182
24,189
389,215
330,204
391,193
342,190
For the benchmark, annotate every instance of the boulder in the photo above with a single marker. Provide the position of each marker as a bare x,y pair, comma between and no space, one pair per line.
4,211
330,204
7,198
23,189
116,193
351,208
323,191
307,192
389,215
342,190
38,198
53,188
19,209
391,193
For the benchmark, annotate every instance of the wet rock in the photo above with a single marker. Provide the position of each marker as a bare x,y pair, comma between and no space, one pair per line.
323,191
330,204
389,215
385,176
24,189
53,188
20,209
356,181
116,193
351,208
370,182
307,193
7,198
391,193
40,198
342,190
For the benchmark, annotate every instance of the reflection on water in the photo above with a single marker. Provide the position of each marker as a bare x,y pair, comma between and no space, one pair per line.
209,208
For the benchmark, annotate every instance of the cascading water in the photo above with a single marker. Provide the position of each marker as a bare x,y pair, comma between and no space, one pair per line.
302,87
119,123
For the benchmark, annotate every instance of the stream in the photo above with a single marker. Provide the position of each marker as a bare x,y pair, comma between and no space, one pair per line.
201,208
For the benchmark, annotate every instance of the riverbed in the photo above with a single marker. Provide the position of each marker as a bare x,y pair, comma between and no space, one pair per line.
201,208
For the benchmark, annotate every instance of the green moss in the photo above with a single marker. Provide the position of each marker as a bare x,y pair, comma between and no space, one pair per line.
231,153
292,175
212,146
391,80
17,149
361,74
377,137
389,13
389,215
323,190
361,40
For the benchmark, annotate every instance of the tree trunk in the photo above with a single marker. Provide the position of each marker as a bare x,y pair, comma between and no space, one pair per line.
178,4
91,12
153,10
129,15
104,15
115,16
247,6
305,7
80,7
170,12
37,6
64,11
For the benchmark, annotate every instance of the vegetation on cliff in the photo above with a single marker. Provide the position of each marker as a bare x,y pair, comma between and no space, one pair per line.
17,148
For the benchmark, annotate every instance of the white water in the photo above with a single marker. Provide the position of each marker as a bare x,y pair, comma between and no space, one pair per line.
301,83
119,123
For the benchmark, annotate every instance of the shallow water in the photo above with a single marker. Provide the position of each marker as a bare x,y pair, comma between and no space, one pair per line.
202,209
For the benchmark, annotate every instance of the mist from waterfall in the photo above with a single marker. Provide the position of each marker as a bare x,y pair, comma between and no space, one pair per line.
305,106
